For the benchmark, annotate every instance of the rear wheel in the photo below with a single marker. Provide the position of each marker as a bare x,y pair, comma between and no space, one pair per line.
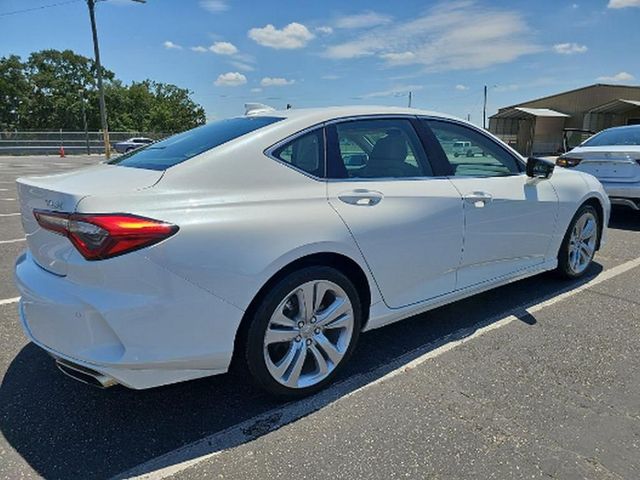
303,332
580,243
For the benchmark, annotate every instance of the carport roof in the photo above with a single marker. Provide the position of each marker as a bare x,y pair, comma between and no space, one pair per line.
619,105
523,112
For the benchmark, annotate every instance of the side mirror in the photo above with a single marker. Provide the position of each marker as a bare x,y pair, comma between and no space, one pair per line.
539,167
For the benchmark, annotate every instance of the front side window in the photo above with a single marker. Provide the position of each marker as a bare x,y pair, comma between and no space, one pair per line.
377,148
305,152
183,146
472,154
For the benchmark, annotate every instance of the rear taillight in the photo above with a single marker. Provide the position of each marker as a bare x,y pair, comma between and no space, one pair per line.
101,236
568,162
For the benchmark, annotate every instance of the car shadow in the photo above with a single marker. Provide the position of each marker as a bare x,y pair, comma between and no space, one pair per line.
65,429
624,218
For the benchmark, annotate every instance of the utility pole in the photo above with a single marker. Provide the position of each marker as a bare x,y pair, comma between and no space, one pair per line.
96,50
84,120
410,98
484,109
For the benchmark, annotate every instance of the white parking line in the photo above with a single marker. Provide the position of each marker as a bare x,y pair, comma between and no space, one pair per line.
10,214
15,240
8,199
205,448
8,301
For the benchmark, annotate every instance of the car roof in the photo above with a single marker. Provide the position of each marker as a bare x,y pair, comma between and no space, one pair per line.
317,115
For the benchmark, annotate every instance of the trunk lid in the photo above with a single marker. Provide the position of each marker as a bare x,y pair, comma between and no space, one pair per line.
62,193
612,164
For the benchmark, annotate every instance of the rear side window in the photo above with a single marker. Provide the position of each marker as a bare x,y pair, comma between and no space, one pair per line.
183,146
305,152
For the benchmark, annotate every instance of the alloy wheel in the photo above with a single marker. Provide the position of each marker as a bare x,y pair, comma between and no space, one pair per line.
582,242
308,334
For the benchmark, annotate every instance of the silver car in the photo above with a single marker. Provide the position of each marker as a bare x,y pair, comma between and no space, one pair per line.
613,157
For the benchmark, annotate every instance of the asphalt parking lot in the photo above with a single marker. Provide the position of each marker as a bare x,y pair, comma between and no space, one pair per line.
537,379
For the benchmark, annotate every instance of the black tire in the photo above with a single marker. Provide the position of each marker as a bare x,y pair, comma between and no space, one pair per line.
455,155
564,269
469,153
254,344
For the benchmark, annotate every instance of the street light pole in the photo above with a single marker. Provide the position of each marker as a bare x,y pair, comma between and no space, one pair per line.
103,109
84,120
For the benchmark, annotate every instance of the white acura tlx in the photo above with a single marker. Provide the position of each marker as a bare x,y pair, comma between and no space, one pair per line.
273,239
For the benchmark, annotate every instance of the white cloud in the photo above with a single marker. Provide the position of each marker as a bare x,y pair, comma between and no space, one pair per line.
245,67
461,87
294,35
324,30
362,20
398,91
169,45
330,77
444,39
618,77
214,6
401,57
223,48
230,79
199,49
623,3
569,48
275,82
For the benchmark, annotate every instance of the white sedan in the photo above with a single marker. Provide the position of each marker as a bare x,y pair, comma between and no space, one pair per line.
613,157
273,239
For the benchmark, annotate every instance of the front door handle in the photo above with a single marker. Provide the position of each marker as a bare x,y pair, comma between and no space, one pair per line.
361,197
478,199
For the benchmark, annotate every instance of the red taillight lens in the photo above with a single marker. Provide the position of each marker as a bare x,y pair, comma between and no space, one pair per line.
101,236
568,162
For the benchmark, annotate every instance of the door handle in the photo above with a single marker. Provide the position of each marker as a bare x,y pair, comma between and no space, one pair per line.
478,199
363,198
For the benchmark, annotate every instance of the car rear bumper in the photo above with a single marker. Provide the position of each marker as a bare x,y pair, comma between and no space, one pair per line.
622,190
147,329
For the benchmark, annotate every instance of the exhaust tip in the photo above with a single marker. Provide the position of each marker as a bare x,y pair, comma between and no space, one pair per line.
84,374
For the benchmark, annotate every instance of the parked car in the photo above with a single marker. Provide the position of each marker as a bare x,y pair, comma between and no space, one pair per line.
613,157
132,144
248,241
466,148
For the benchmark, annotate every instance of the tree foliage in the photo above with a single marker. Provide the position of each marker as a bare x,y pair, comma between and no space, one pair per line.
47,90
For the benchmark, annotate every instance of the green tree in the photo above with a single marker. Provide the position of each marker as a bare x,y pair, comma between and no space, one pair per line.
45,92
14,90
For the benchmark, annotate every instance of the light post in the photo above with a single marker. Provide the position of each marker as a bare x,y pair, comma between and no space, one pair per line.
96,50
84,120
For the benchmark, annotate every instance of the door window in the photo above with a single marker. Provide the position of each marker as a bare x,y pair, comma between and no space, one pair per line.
376,148
472,154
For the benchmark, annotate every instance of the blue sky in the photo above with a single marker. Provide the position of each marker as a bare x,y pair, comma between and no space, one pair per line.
311,53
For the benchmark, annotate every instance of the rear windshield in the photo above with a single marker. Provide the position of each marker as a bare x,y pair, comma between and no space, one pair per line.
615,136
185,145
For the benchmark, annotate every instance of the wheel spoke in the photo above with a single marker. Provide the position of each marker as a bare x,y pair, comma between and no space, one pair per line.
333,312
281,319
305,300
321,362
298,363
329,348
589,230
279,369
278,336
587,249
321,289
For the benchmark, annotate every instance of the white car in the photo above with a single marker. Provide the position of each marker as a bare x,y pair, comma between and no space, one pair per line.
613,157
249,239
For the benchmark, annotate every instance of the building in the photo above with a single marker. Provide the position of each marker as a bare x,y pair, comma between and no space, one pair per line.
536,127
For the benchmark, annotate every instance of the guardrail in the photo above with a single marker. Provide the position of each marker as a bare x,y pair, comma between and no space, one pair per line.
49,142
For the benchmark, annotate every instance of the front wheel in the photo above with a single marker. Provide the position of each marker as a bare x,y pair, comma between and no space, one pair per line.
580,242
303,332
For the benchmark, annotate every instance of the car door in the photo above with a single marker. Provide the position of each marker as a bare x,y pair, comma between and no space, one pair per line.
407,223
509,218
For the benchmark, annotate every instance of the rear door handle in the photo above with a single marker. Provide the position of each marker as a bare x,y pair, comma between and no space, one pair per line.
363,198
478,199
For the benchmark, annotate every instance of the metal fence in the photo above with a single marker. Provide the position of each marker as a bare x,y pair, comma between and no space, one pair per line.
49,142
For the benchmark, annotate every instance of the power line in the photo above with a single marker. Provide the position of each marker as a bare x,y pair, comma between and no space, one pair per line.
15,12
